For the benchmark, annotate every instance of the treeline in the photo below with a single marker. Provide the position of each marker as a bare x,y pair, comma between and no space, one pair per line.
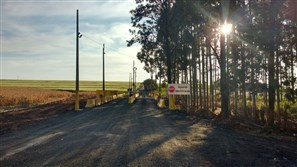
251,70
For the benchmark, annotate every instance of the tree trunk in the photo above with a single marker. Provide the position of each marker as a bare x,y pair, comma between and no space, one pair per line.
273,11
206,75
167,43
277,90
215,85
254,106
211,84
236,102
200,75
292,74
203,77
271,88
243,85
194,64
223,81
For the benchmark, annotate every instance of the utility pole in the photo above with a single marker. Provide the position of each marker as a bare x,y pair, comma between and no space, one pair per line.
130,80
103,83
131,84
160,75
78,35
134,79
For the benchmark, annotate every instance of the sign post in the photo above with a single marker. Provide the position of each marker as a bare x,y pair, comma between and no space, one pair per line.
177,89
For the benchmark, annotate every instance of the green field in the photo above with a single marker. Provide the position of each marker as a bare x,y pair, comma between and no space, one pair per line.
67,85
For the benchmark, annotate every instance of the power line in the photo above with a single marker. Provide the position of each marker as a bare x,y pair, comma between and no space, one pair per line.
99,44
119,52
113,49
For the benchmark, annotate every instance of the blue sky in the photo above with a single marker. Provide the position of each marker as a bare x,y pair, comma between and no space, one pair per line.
38,40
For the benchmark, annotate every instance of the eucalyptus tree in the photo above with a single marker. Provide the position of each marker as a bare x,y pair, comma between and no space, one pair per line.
183,37
150,22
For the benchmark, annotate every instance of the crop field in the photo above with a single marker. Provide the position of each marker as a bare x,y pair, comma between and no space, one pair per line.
24,97
31,92
67,85
11,96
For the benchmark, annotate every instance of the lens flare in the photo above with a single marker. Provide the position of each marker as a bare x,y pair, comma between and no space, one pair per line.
226,28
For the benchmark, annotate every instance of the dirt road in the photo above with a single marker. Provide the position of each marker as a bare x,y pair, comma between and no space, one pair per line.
139,134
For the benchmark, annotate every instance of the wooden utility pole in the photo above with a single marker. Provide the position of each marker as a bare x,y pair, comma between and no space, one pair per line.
103,75
133,80
130,84
78,35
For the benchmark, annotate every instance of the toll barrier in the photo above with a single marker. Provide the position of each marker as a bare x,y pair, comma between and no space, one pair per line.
103,97
161,103
131,99
90,103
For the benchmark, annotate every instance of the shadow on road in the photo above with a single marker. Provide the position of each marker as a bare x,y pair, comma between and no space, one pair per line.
139,134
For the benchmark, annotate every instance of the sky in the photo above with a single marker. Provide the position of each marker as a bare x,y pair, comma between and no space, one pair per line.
38,40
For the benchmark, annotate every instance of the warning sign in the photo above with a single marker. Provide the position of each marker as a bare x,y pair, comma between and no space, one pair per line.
179,89
171,89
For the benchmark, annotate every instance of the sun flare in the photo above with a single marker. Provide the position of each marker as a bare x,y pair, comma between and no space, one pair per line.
226,28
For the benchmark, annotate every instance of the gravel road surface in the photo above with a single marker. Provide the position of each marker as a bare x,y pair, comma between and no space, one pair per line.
139,134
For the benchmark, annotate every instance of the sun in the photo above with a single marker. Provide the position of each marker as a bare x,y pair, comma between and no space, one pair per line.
226,28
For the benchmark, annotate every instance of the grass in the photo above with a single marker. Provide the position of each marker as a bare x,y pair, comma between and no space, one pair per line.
66,85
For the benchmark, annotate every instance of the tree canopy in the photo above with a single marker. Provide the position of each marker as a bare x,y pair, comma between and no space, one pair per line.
150,85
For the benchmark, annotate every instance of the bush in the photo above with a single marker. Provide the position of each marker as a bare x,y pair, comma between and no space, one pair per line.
288,106
150,85
293,108
284,104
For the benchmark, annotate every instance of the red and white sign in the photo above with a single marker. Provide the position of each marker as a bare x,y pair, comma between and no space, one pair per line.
179,89
171,89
